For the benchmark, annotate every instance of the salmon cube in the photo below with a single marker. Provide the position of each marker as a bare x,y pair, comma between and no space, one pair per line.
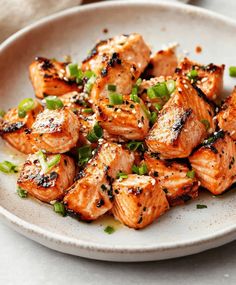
138,201
47,186
91,196
214,163
174,178
209,77
227,116
55,131
49,78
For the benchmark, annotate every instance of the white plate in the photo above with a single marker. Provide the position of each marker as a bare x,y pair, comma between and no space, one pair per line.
183,230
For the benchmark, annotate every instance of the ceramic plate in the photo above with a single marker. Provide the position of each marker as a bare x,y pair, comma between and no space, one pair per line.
183,230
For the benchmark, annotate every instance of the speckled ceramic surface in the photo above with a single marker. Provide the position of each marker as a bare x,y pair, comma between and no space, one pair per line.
183,230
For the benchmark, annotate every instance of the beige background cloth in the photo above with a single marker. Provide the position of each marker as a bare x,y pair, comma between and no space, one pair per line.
16,14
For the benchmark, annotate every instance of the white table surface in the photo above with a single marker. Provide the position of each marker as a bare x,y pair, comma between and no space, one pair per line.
23,261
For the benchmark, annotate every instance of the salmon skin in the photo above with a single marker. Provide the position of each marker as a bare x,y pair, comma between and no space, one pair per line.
138,201
173,179
214,163
48,186
91,196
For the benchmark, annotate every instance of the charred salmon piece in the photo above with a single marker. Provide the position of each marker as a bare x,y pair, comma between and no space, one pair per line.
118,61
55,131
16,130
162,63
131,49
138,201
91,196
214,163
155,103
176,133
47,186
78,103
187,96
48,77
127,120
227,116
173,179
209,77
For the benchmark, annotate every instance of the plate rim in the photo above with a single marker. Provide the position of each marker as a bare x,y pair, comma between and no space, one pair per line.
27,227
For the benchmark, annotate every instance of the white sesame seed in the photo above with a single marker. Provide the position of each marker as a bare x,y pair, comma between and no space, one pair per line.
140,125
153,182
180,89
134,111
52,202
186,86
232,133
118,111
65,78
204,79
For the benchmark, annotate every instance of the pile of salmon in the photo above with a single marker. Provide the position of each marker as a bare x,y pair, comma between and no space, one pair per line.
181,140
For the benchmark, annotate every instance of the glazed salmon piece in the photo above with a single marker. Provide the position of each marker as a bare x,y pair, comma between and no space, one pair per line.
127,120
77,102
209,77
47,186
173,179
214,163
48,77
138,201
162,63
91,196
119,61
176,133
227,116
16,130
55,131
185,95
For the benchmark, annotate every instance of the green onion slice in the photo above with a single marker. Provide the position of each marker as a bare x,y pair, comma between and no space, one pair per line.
72,70
192,74
2,113
140,170
115,99
190,174
8,167
84,154
199,206
170,84
111,87
47,165
59,208
53,103
25,106
134,98
22,193
153,118
88,110
232,71
134,145
109,230
206,124
95,134
122,175
158,106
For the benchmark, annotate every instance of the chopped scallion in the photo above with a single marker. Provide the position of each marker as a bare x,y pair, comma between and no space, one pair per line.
151,93
53,103
170,84
158,106
153,118
134,98
22,193
72,70
133,146
206,124
2,113
199,206
115,99
109,230
95,134
8,167
25,106
88,110
190,174
59,208
192,74
161,90
47,165
84,154
122,175
232,71
111,87
140,170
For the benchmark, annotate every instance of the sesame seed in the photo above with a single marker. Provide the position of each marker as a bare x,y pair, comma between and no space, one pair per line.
140,125
180,89
186,86
134,111
204,79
